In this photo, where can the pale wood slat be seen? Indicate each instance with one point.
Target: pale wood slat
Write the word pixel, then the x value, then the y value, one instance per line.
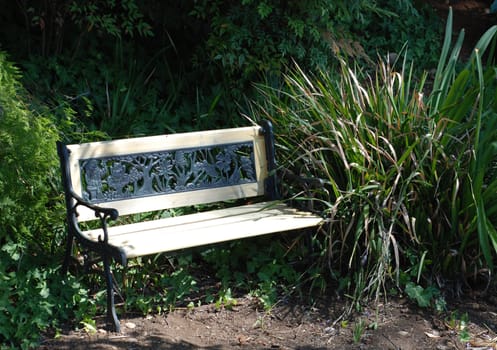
pixel 206 228
pixel 163 142
pixel 176 200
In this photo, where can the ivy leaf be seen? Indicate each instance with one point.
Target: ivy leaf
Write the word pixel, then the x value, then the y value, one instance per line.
pixel 422 296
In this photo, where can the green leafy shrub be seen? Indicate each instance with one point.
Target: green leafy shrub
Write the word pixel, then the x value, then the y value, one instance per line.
pixel 35 297
pixel 69 26
pixel 27 162
pixel 115 18
pixel 267 268
pixel 401 22
pixel 158 283
pixel 120 97
pixel 210 53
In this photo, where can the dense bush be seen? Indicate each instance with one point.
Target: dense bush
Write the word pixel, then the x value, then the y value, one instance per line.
pixel 398 23
pixel 34 296
pixel 27 162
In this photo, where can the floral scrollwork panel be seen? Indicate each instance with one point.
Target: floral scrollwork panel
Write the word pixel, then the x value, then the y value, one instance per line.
pixel 148 174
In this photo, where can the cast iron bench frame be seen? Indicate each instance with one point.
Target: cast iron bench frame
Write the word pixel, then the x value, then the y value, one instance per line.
pixel 103 180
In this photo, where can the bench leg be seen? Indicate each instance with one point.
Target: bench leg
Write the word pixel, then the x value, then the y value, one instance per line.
pixel 111 309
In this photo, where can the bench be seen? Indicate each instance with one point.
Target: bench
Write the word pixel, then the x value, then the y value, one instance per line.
pixel 108 179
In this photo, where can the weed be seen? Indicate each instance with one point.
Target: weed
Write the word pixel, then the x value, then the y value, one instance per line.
pixel 358 330
pixel 459 323
pixel 225 300
pixel 89 325
pixel 259 322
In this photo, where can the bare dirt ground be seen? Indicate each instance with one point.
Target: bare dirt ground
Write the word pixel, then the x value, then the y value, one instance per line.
pixel 469 322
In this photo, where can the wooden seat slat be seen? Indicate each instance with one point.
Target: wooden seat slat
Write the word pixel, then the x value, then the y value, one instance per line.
pixel 211 227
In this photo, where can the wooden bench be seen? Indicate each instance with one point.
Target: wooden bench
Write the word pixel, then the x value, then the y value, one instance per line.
pixel 104 180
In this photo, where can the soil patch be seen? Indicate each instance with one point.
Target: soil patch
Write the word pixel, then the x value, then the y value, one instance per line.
pixel 396 324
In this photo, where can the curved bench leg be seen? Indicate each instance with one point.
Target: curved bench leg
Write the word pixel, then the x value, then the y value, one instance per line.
pixel 111 309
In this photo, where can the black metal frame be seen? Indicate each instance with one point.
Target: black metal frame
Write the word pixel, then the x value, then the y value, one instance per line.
pixel 101 247
pixel 271 186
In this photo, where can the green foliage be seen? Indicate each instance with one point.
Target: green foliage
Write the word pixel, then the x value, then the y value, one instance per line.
pixel 402 22
pixel 268 269
pixel 459 323
pixel 362 139
pixel 256 37
pixel 116 18
pixel 127 95
pixel 92 65
pixel 158 284
pixel 27 162
pixel 467 96
pixel 358 331
pixel 423 296
pixel 120 97
pixel 68 26
pixel 214 51
pixel 34 298
pixel 410 179
pixel 225 299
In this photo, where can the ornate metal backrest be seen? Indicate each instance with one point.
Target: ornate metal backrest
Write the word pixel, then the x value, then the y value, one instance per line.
pixel 160 172
pixel 148 174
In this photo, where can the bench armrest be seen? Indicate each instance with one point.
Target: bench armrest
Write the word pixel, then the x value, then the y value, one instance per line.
pixel 103 214
pixel 111 213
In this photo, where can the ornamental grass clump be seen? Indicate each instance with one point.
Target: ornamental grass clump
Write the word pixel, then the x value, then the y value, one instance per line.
pixel 409 169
